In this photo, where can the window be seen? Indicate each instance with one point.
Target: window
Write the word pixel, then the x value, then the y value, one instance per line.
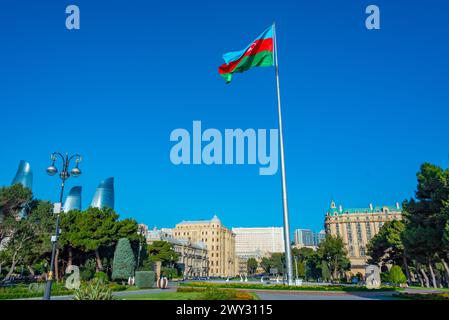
pixel 368 231
pixel 362 251
pixel 359 232
pixel 351 251
pixel 349 232
pixel 337 226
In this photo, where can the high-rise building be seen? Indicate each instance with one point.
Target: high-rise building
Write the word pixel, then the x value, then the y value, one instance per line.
pixel 24 175
pixel 258 240
pixel 357 226
pixel 319 237
pixel 104 195
pixel 73 200
pixel 219 241
pixel 308 238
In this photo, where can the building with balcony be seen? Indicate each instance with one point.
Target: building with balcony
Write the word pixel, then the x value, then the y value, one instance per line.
pixel 193 257
pixel 219 242
pixel 356 226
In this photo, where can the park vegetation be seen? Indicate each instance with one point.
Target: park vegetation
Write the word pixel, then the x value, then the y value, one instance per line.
pixel 418 244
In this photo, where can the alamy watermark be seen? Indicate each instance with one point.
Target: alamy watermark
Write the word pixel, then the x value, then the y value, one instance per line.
pixel 234 146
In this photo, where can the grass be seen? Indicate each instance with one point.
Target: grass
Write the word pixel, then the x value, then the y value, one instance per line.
pixel 422 296
pixel 424 288
pixel 165 296
pixel 336 288
pixel 191 293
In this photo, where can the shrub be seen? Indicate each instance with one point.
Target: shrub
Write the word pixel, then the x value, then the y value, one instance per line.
pixel 169 272
pixel 123 263
pixel 95 290
pixel 283 287
pixel 88 270
pixel 396 276
pixel 145 279
pixel 117 287
pixel 101 276
pixel 212 293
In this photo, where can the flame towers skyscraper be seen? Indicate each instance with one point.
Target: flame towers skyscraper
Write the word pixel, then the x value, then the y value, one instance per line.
pixel 104 195
pixel 73 200
pixel 24 175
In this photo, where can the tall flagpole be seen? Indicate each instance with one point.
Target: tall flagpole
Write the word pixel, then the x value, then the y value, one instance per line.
pixel 288 252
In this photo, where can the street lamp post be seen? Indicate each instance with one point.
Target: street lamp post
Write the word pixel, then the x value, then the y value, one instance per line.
pixel 141 231
pixel 64 175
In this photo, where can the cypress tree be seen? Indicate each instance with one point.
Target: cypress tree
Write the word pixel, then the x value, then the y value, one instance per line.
pixel 124 261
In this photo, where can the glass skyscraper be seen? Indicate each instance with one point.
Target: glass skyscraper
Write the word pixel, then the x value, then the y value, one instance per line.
pixel 24 175
pixel 104 195
pixel 73 200
pixel 308 238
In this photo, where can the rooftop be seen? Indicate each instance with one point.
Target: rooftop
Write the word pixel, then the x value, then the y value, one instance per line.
pixel 370 209
pixel 214 219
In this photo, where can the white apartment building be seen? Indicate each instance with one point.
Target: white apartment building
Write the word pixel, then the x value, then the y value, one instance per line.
pixel 258 240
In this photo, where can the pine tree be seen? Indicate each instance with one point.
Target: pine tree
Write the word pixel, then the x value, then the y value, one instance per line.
pixel 124 261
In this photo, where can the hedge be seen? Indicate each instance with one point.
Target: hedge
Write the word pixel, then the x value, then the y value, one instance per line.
pixel 286 287
pixel 144 279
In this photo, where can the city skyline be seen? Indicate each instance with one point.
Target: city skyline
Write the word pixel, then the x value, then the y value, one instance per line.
pixel 104 196
pixel 362 109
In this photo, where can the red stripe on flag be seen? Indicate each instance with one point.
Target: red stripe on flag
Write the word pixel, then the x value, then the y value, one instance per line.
pixel 257 46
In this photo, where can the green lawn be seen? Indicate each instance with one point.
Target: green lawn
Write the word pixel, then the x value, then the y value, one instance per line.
pixel 424 288
pixel 165 296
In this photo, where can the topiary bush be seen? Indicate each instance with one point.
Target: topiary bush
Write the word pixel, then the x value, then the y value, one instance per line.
pixel 124 261
pixel 396 276
pixel 145 279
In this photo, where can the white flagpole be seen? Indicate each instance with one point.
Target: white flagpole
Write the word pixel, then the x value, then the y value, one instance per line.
pixel 288 253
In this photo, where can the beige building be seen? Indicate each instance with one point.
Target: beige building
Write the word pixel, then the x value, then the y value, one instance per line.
pixel 219 241
pixel 356 226
pixel 193 256
pixel 258 240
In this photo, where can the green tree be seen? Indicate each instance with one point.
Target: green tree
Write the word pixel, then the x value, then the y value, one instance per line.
pixel 396 276
pixel 124 261
pixel 300 269
pixel 162 251
pixel 12 200
pixel 332 250
pixel 278 262
pixel 94 230
pixel 426 218
pixel 266 264
pixel 325 273
pixel 28 239
pixel 251 265
pixel 387 246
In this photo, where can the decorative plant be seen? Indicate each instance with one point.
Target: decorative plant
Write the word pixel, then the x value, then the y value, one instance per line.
pixel 95 290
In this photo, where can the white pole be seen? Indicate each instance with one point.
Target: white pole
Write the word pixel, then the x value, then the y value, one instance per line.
pixel 288 253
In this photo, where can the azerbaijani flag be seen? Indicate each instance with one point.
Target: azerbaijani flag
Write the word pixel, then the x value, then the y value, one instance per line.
pixel 258 54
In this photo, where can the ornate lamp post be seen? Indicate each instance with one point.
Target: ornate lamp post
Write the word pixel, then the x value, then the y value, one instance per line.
pixel 64 175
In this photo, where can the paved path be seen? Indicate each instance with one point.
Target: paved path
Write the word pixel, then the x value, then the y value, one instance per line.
pixel 117 294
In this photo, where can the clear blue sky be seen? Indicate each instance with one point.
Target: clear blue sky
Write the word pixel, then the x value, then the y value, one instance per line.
pixel 362 109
